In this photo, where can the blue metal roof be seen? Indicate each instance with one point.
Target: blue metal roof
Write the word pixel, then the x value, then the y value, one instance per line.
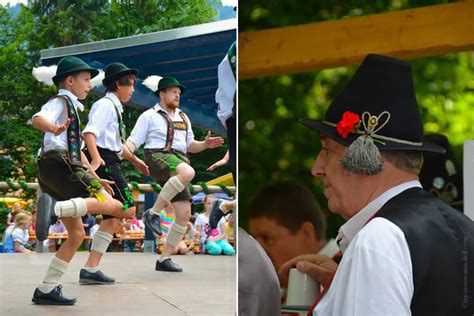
pixel 190 54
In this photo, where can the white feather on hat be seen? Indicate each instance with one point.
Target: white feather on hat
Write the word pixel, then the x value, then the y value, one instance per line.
pixel 45 74
pixel 97 80
pixel 151 82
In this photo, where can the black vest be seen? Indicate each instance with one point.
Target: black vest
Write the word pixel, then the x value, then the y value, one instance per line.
pixel 441 243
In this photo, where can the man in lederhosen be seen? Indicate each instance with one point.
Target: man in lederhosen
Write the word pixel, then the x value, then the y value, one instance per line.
pixel 167 134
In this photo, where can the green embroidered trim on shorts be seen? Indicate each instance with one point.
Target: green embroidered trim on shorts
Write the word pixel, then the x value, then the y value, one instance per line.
pixel 170 160
pixel 94 188
pixel 128 199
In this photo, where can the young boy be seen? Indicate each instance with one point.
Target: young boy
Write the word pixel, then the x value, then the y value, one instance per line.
pixel 65 173
pixel 104 134
pixel 167 134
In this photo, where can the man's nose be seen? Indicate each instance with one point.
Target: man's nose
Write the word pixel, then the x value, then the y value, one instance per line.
pixel 318 167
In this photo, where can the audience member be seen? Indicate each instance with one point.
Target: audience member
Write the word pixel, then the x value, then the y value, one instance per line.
pixel 16 236
pixel 287 221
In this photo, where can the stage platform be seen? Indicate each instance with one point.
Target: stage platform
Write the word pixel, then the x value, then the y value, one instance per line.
pixel 207 286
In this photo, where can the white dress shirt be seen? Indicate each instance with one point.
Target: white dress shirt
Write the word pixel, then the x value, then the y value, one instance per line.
pixel 375 274
pixel 103 122
pixel 55 111
pixel 225 91
pixel 151 129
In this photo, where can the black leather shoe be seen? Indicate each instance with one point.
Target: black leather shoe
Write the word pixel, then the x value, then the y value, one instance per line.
pixel 55 297
pixel 167 265
pixel 98 277
pixel 153 221
pixel 44 216
pixel 216 213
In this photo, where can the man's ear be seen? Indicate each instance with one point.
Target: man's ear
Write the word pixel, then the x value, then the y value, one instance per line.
pixel 308 231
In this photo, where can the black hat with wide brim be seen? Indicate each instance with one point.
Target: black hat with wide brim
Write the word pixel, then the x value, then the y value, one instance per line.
pixel 381 84
pixel 167 82
pixel 69 65
pixel 115 71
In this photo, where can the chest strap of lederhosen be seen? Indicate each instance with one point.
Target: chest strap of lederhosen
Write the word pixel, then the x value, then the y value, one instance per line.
pixel 122 131
pixel 170 128
pixel 73 131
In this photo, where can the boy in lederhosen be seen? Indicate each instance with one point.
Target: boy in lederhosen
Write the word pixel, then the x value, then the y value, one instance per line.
pixel 103 135
pixel 65 173
pixel 167 134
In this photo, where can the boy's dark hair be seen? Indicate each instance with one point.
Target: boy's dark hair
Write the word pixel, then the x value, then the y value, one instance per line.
pixel 290 204
pixel 126 80
pixel 74 74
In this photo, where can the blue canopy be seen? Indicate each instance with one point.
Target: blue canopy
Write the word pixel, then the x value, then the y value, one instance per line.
pixel 190 54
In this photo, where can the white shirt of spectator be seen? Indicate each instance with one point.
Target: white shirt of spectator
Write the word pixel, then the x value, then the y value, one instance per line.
pixel 18 235
pixel 225 91
pixel 103 122
pixel 151 129
pixel 375 273
pixel 93 230
pixel 203 221
pixel 55 111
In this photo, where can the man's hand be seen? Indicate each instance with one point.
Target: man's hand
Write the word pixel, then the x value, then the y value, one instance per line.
pixel 213 142
pixel 61 128
pixel 318 267
pixel 140 165
pixel 96 163
pixel 106 184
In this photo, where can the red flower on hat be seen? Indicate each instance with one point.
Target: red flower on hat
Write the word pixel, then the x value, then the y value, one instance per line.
pixel 349 124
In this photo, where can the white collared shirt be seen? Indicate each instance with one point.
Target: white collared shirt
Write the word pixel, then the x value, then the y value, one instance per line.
pixel 375 274
pixel 55 111
pixel 103 122
pixel 151 128
pixel 225 91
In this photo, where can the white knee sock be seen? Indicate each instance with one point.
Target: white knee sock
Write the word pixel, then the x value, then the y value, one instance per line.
pixel 76 207
pixel 53 275
pixel 175 235
pixel 101 242
pixel 172 187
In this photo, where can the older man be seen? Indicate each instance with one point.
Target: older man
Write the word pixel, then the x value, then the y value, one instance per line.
pixel 404 251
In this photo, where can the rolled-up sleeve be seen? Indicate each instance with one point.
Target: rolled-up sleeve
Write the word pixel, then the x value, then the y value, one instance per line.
pixel 51 110
pixel 139 132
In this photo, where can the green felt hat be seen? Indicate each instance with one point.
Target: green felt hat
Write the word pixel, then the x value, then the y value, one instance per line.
pixel 69 65
pixel 115 71
pixel 169 82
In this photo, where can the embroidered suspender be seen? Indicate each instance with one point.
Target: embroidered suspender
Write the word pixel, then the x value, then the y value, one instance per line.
pixel 170 130
pixel 122 130
pixel 73 131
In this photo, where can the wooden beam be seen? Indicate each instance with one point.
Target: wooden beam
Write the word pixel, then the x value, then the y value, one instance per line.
pixel 427 31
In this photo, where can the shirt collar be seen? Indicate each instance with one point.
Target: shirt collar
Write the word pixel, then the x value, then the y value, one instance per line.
pixel 349 230
pixel 73 98
pixel 115 101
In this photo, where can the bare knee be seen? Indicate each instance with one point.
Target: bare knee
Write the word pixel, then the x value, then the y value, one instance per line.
pixel 76 236
pixel 185 173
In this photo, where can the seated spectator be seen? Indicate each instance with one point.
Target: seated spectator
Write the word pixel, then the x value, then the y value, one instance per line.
pixel 229 228
pixel 15 210
pixel 213 240
pixel 16 236
pixel 55 229
pixel 287 221
pixel 187 244
pixel 31 228
pixel 98 220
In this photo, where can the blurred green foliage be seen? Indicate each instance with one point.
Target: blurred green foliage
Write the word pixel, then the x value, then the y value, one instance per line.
pixel 273 146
